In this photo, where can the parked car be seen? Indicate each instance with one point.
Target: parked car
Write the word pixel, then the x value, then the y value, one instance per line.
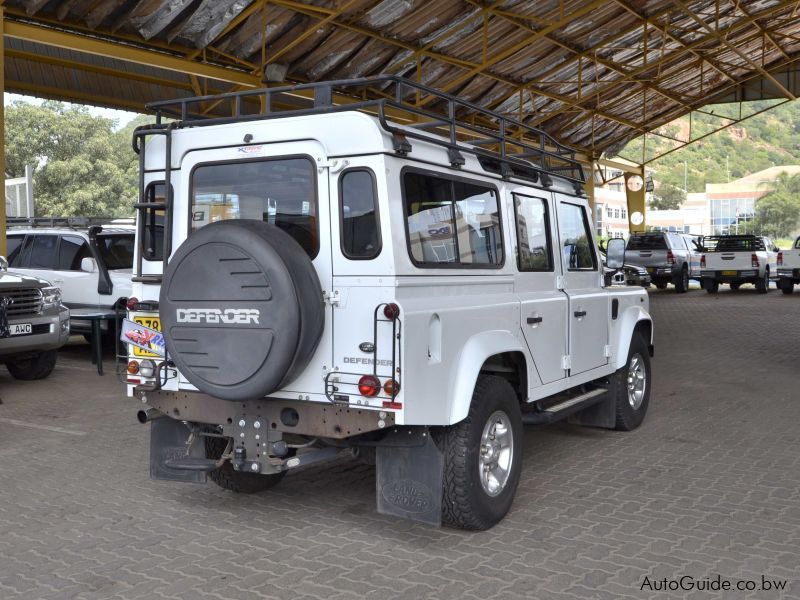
pixel 91 266
pixel 738 259
pixel 668 257
pixel 788 263
pixel 33 324
pixel 629 274
pixel 323 291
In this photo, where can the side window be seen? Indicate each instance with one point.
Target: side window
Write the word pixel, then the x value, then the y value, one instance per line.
pixel 533 234
pixel 14 244
pixel 71 252
pixel 576 241
pixel 152 227
pixel 361 237
pixel 43 252
pixel 451 221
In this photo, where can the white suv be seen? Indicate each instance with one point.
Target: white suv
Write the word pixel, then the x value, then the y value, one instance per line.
pixel 92 266
pixel 333 280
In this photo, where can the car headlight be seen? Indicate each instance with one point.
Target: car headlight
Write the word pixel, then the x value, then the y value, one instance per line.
pixel 51 296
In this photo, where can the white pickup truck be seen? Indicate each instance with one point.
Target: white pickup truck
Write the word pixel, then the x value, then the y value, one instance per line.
pixel 738 259
pixel 789 267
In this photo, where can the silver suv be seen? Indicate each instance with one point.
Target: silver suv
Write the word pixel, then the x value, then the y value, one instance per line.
pixel 668 257
pixel 33 324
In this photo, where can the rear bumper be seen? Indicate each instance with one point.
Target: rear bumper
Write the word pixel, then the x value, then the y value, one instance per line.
pixel 789 273
pixel 732 276
pixel 57 323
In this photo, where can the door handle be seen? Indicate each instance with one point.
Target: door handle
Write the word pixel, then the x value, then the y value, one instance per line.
pixel 580 313
pixel 534 320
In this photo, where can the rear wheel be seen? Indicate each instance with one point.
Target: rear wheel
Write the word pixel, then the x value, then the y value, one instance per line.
pixel 762 285
pixel 631 386
pixel 482 457
pixel 36 366
pixel 682 282
pixel 786 285
pixel 662 285
pixel 711 285
pixel 236 481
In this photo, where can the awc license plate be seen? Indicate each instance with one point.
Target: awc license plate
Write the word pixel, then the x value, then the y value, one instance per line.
pixel 152 323
pixel 21 329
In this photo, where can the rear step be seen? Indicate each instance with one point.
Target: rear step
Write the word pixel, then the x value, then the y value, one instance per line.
pixel 560 411
pixel 191 463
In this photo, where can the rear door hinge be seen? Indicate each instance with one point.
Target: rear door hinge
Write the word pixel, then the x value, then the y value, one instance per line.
pixel 560 282
pixel 566 362
pixel 331 298
pixel 607 351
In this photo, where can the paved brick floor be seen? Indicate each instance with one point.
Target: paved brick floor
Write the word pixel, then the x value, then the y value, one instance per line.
pixel 709 485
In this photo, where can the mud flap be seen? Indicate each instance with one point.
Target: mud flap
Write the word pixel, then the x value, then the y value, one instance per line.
pixel 408 478
pixel 603 414
pixel 168 441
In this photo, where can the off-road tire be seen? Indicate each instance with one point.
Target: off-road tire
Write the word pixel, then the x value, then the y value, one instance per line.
pixel 661 285
pixel 37 366
pixel 465 504
pixel 786 285
pixel 762 285
pixel 711 286
pixel 235 481
pixel 682 281
pixel 629 418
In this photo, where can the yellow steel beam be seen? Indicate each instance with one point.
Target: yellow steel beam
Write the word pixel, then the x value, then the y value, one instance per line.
pixel 767 33
pixel 724 41
pixel 127 53
pixel 58 93
pixel 3 241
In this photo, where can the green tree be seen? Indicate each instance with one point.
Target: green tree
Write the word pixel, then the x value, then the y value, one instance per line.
pixel 82 166
pixel 667 197
pixel 778 211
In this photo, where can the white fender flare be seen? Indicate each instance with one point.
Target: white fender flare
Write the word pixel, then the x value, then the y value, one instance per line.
pixel 628 320
pixel 472 357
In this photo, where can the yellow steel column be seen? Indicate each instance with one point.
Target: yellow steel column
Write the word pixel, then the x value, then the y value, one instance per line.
pixel 3 246
pixel 635 193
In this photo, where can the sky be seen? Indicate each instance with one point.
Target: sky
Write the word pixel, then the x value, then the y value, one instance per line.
pixel 123 117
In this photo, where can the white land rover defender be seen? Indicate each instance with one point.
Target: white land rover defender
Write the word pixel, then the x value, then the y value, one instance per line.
pixel 409 281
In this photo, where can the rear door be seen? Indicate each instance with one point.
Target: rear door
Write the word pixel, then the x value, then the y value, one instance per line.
pixel 647 250
pixel 544 306
pixel 282 184
pixel 588 300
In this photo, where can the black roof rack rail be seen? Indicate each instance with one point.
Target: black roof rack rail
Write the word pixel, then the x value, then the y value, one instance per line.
pixel 65 222
pixel 442 119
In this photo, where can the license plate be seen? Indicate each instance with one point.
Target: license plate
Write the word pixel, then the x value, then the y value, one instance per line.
pixel 730 273
pixel 650 269
pixel 21 329
pixel 152 323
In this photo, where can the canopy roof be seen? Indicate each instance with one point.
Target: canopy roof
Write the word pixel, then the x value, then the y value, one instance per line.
pixel 593 74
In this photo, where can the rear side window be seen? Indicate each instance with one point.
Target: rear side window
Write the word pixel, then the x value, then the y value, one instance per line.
pixel 152 226
pixel 451 222
pixel 71 252
pixel 43 252
pixel 647 242
pixel 533 234
pixel 280 191
pixel 361 238
pixel 14 245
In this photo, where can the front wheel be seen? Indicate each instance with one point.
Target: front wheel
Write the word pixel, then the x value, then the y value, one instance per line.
pixel 482 457
pixel 37 366
pixel 631 386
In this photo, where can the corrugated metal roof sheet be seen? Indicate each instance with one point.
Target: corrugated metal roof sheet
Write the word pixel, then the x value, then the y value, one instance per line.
pixel 592 74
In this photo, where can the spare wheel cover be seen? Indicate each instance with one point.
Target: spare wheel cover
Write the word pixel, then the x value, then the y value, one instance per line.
pixel 241 308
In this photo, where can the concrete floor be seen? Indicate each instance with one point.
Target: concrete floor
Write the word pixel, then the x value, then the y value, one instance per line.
pixel 709 485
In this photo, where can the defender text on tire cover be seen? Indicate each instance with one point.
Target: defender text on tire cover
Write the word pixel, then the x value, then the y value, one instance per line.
pixel 242 309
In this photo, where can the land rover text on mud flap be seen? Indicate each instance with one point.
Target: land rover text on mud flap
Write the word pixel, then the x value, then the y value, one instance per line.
pixel 376 277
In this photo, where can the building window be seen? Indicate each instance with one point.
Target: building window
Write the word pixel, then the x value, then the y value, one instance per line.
pixel 624 213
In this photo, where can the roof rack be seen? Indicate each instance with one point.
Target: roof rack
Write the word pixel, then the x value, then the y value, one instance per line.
pixel 66 222
pixel 414 111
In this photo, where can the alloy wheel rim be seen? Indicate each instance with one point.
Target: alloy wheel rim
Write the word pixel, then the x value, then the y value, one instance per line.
pixel 496 453
pixel 637 381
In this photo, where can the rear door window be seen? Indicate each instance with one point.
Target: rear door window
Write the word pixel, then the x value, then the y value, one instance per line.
pixel 43 252
pixel 280 191
pixel 647 242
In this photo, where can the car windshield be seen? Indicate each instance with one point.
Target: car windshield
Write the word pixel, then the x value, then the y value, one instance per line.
pixel 647 242
pixel 116 251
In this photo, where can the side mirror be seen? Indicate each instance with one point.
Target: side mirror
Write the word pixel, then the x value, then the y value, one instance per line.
pixel 3 263
pixel 88 265
pixel 615 253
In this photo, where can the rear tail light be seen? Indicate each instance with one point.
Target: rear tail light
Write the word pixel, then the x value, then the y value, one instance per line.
pixel 754 260
pixel 391 388
pixel 703 260
pixel 133 367
pixel 391 311
pixel 670 257
pixel 780 259
pixel 369 386
pixel 131 303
